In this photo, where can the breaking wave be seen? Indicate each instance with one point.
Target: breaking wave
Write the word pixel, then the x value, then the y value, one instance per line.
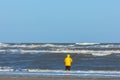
pixel 95 49
pixel 94 53
pixel 87 43
pixel 33 72
pixel 9 65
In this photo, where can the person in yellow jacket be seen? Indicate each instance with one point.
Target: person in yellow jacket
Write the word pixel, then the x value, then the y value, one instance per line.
pixel 68 61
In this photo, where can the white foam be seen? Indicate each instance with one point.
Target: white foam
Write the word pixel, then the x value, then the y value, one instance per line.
pixel 58 48
pixel 24 46
pixel 75 71
pixel 4 69
pixel 59 45
pixel 109 46
pixel 10 71
pixel 101 54
pixel 32 45
pixel 56 45
pixel 87 43
pixel 92 52
pixel 61 71
pixel 2 50
pixel 4 45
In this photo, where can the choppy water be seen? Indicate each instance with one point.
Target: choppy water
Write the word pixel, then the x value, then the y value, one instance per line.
pixel 101 59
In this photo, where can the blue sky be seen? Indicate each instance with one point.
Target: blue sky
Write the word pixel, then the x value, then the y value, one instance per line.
pixel 60 21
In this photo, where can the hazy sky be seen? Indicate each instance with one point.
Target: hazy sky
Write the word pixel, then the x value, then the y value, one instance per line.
pixel 59 21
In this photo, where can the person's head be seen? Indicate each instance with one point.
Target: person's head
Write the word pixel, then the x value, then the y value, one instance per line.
pixel 68 55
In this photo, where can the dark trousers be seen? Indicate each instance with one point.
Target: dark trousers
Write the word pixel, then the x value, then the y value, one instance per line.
pixel 67 68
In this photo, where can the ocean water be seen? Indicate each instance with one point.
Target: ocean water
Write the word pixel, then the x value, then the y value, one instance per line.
pixel 89 59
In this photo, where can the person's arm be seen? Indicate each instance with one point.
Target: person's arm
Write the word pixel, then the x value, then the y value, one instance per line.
pixel 71 60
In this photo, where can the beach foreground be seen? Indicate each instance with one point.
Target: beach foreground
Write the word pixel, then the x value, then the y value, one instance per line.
pixel 51 78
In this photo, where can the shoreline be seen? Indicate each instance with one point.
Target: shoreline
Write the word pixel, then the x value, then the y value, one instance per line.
pixel 51 78
pixel 62 74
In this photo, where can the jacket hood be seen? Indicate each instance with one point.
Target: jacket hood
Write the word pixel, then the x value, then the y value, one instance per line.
pixel 68 55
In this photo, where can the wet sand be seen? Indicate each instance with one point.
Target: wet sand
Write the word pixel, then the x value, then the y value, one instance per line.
pixel 50 78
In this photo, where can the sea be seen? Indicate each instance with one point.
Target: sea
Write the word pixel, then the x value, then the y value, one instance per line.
pixel 47 59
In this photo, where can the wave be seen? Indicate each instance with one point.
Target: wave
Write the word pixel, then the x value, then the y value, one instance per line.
pixel 10 69
pixel 4 45
pixel 62 45
pixel 101 54
pixel 39 72
pixel 33 45
pixel 6 69
pixel 95 49
pixel 87 43
pixel 92 52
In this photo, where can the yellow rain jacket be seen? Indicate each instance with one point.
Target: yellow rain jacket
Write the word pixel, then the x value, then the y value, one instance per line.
pixel 68 60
